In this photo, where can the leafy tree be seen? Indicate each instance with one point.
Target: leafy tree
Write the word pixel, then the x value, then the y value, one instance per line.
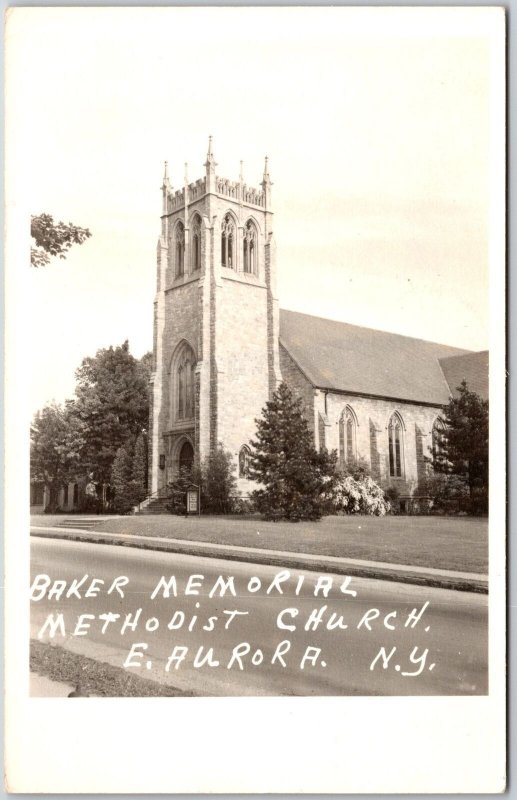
pixel 461 446
pixel 112 405
pixel 56 441
pixel 53 238
pixel 139 469
pixel 293 474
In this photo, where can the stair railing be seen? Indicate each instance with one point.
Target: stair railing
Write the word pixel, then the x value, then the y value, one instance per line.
pixel 162 493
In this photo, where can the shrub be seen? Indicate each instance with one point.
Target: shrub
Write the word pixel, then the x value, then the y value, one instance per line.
pixel 178 490
pixel 350 496
pixel 449 493
pixel 215 479
pixel 392 495
pixel 357 468
pixel 242 505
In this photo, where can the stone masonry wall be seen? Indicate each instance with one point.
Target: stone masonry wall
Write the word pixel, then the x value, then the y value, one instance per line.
pixel 298 384
pixel 373 415
pixel 242 361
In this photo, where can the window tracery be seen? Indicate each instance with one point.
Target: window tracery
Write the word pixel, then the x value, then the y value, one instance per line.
pixel 249 247
pixel 227 242
pixel 396 446
pixel 182 384
pixel 347 437
pixel 180 249
pixel 196 244
pixel 244 461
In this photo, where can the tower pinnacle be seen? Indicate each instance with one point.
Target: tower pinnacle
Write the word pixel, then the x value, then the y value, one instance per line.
pixel 210 165
pixel 166 182
pixel 210 160
pixel 266 184
pixel 266 179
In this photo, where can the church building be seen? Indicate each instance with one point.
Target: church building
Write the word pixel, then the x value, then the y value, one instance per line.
pixel 221 346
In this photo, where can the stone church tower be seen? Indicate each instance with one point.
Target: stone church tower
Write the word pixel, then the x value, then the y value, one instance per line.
pixel 216 328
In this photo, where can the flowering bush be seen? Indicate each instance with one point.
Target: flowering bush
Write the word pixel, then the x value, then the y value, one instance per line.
pixel 348 495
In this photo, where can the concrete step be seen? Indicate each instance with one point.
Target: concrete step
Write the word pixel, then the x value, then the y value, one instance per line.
pixel 83 523
pixel 157 505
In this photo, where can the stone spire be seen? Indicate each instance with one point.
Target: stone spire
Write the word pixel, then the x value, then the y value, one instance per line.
pixel 166 187
pixel 166 181
pixel 266 184
pixel 210 165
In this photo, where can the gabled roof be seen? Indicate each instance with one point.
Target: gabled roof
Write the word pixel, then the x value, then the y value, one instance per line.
pixel 349 358
pixel 471 367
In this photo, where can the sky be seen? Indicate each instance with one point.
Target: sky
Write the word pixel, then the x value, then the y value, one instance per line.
pixel 377 125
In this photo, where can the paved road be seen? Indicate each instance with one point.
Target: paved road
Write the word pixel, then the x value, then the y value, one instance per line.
pixel 442 651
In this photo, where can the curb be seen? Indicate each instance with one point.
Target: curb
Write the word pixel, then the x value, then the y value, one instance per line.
pixel 462 582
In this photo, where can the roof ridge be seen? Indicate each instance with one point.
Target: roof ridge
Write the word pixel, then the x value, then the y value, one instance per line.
pixel 459 350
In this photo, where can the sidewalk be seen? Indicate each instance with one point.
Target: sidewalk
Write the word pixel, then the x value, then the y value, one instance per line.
pixel 423 576
pixel 41 686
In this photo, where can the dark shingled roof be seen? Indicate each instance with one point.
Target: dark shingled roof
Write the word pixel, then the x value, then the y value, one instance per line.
pixel 336 355
pixel 471 367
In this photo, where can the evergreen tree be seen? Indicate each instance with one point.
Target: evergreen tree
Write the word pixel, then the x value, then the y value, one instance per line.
pixel 292 473
pixel 218 482
pixel 139 472
pixel 461 447
pixel 126 490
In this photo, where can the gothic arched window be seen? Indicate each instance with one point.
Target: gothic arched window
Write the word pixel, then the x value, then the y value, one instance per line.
pixel 249 248
pixel 227 242
pixel 182 382
pixel 396 446
pixel 179 236
pixel 195 248
pixel 244 461
pixel 347 447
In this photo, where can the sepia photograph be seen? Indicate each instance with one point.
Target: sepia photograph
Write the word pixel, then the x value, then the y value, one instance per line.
pixel 258 437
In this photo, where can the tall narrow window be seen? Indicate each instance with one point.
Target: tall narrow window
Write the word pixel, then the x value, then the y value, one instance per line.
pixel 180 249
pixel 182 379
pixel 249 247
pixel 227 241
pixel 181 391
pixel 189 405
pixel 244 461
pixel 395 445
pixel 195 250
pixel 347 426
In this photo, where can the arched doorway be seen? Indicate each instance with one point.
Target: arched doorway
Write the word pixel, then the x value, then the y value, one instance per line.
pixel 186 458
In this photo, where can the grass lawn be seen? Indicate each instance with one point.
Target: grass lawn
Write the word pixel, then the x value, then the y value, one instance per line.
pixel 95 678
pixel 455 543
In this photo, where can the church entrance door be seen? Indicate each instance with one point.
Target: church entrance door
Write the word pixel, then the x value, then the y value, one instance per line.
pixel 186 459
